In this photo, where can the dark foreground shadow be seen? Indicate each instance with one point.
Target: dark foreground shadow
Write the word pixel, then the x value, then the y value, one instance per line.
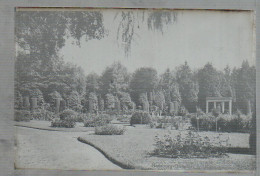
pixel 237 150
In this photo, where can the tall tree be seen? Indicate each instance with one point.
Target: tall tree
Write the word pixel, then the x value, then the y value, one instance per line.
pixel 39 37
pixel 144 80
pixel 159 100
pixel 170 87
pixel 245 87
pixel 188 87
pixel 92 83
pixel 208 79
pixel 114 79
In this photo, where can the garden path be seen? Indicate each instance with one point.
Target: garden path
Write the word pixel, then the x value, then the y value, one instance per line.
pixel 57 150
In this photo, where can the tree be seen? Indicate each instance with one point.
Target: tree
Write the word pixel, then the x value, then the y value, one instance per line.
pixel 143 101
pixel 110 101
pixel 92 83
pixel 170 88
pixel 188 87
pixel 114 80
pixel 39 37
pixel 51 99
pixel 101 104
pixel 74 101
pixel 93 102
pixel 245 87
pixel 144 80
pixel 130 22
pixel 125 100
pixel 208 79
pixel 159 100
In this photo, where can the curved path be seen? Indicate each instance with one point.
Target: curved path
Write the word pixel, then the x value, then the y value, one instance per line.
pixel 57 150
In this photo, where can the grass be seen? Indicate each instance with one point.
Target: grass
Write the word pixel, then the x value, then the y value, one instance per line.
pixel 132 151
pixel 46 125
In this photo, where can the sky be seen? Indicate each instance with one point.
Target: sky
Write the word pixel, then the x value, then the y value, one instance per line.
pixel 198 37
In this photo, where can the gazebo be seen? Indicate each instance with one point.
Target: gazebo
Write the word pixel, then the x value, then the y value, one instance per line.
pixel 223 102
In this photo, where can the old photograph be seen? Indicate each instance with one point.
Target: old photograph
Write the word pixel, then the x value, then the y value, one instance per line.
pixel 139 89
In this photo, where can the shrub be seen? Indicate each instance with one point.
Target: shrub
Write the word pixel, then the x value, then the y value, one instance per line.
pixel 41 114
pixel 124 118
pixel 68 123
pixel 192 145
pixel 226 123
pixel 22 115
pixel 74 101
pixel 165 121
pixel 80 117
pixel 140 117
pixel 68 114
pixel 182 111
pixel 252 137
pixel 98 120
pixel 206 122
pixel 109 129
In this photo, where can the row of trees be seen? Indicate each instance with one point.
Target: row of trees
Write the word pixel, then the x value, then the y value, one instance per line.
pixel 117 89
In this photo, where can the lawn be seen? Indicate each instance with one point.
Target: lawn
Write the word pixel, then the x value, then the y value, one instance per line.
pixel 46 125
pixel 132 149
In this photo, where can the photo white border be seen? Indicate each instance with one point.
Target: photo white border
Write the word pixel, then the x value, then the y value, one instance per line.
pixel 7 54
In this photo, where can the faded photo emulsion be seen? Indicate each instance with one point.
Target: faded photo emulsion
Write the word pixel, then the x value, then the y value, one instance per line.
pixel 140 89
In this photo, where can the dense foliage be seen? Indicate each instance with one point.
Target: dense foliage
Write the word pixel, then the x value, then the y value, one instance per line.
pixel 225 123
pixel 22 115
pixel 190 145
pixel 140 117
pixel 109 129
pixel 69 123
pixel 97 120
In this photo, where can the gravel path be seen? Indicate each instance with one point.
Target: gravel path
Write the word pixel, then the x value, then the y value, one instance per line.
pixel 57 150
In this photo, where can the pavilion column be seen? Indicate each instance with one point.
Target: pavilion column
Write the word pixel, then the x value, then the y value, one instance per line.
pixel 230 107
pixel 207 107
pixel 215 105
pixel 223 106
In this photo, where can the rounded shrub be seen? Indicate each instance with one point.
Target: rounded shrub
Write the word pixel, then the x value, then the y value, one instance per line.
pixel 41 114
pixel 109 129
pixel 140 117
pixel 68 114
pixel 97 120
pixel 68 123
pixel 22 115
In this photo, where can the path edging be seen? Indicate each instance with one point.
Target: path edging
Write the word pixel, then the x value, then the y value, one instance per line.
pixel 113 160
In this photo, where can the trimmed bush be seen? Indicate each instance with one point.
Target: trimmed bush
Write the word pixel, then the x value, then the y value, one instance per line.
pixel 168 121
pixel 124 118
pixel 191 145
pixel 226 123
pixel 22 115
pixel 68 123
pixel 109 129
pixel 68 114
pixel 98 120
pixel 140 117
pixel 252 137
pixel 41 114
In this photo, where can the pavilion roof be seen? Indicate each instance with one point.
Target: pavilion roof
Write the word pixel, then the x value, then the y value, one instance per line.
pixel 219 98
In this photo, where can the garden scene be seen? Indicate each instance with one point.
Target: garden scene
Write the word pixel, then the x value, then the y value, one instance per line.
pixel 176 117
